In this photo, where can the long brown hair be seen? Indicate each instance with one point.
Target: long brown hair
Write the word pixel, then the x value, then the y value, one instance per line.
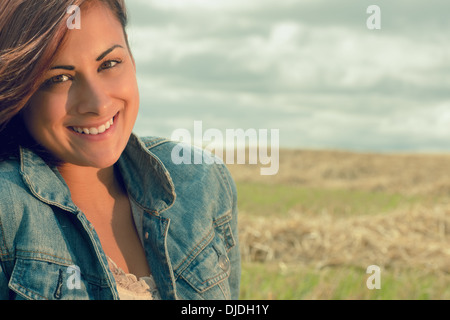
pixel 31 32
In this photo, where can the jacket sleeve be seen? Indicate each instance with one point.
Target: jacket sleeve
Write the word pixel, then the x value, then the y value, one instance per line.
pixel 234 254
pixel 10 214
pixel 4 290
pixel 4 275
pixel 6 262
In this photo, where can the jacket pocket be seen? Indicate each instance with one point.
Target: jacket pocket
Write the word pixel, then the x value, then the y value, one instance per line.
pixel 43 280
pixel 208 273
pixel 225 233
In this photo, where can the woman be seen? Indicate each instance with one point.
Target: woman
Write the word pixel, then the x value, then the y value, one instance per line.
pixel 87 209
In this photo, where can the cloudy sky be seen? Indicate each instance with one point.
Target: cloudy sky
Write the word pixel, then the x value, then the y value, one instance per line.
pixel 310 68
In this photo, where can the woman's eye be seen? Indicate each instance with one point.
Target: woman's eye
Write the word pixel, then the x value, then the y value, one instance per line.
pixel 58 79
pixel 109 64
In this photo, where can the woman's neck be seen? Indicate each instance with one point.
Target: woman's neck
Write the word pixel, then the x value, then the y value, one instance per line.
pixel 91 186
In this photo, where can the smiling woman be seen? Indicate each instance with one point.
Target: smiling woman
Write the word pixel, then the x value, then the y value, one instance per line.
pixel 78 190
pixel 91 81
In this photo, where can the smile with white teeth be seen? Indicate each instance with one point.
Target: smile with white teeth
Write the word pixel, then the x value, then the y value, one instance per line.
pixel 94 131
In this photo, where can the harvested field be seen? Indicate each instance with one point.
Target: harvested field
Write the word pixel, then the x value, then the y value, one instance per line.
pixel 392 211
pixel 418 238
pixel 397 173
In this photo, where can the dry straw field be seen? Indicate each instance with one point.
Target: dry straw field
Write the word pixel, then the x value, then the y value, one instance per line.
pixel 331 211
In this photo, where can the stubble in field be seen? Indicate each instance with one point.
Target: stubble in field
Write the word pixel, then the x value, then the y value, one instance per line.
pixel 328 215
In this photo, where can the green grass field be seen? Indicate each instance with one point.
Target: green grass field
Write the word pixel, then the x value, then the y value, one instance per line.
pixel 315 241
pixel 269 281
pixel 276 279
pixel 264 200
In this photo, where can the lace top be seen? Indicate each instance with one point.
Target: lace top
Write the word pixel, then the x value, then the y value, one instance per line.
pixel 132 288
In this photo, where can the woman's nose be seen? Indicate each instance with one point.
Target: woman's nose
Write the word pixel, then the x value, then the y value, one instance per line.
pixel 93 98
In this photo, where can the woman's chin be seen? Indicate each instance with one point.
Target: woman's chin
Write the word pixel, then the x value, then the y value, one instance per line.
pixel 99 162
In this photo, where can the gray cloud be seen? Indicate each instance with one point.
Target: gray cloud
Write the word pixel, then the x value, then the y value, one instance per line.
pixel 310 68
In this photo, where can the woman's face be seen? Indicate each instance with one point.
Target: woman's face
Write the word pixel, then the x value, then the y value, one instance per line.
pixel 86 109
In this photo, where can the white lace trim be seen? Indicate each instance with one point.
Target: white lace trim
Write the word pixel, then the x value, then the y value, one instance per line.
pixel 132 288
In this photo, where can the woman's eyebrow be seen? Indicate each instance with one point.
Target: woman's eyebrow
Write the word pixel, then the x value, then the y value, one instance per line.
pixel 70 68
pixel 104 54
pixel 100 57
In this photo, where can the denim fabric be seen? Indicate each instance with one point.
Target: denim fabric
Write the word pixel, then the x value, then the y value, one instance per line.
pixel 186 216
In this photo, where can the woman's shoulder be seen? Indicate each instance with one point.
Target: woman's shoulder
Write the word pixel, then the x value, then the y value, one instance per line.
pixel 10 176
pixel 12 192
pixel 180 154
pixel 12 187
pixel 154 141
pixel 188 163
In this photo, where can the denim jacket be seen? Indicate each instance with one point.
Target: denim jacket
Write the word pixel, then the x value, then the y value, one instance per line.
pixel 186 217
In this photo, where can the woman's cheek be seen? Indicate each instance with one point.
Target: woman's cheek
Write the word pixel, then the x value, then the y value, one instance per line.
pixel 125 86
pixel 45 108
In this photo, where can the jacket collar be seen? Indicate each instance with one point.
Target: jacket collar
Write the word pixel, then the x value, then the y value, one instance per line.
pixel 44 182
pixel 145 176
pixel 147 179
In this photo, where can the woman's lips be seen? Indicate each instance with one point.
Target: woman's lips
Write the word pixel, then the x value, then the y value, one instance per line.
pixel 95 130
